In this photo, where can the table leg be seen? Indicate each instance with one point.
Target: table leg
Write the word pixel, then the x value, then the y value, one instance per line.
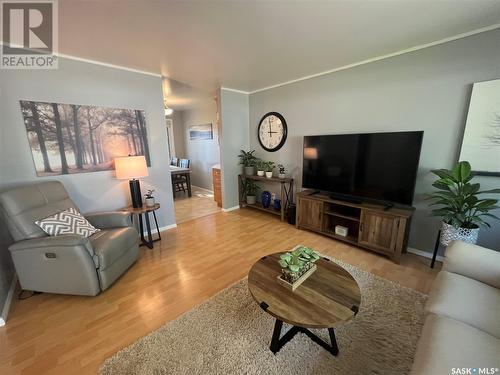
pixel 157 228
pixel 149 243
pixel 277 343
pixel 188 182
pixel 436 248
pixel 141 228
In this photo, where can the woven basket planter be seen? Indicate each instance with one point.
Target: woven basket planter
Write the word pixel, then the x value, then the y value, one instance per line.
pixel 450 233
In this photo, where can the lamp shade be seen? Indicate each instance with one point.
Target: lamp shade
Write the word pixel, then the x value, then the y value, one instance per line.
pixel 310 153
pixel 129 167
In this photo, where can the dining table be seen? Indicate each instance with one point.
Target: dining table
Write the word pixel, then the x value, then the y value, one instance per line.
pixel 185 173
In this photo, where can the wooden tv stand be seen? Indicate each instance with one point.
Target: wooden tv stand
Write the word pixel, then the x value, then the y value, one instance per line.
pixel 370 226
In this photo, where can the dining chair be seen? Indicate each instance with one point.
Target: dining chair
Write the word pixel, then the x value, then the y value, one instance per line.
pixel 174 161
pixel 178 183
pixel 184 163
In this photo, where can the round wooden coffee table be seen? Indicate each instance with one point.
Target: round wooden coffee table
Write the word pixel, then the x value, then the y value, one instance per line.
pixel 328 298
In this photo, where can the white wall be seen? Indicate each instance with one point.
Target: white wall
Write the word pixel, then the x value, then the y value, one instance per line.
pixel 78 82
pixel 234 115
pixel 424 90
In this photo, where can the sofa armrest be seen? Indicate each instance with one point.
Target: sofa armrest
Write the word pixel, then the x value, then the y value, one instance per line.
pixel 106 220
pixel 473 261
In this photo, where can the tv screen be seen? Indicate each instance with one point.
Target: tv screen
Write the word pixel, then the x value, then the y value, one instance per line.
pixel 375 166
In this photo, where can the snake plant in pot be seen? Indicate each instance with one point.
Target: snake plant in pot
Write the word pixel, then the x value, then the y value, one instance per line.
pixel 458 203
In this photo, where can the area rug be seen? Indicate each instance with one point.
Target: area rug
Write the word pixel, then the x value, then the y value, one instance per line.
pixel 230 334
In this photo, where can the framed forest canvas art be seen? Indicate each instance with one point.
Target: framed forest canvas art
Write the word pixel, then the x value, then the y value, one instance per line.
pixel 71 138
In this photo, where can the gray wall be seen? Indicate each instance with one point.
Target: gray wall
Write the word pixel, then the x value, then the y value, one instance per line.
pixel 204 154
pixel 178 126
pixel 234 114
pixel 424 90
pixel 83 83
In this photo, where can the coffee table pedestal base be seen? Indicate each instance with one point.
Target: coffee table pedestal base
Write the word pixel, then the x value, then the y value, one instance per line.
pixel 277 343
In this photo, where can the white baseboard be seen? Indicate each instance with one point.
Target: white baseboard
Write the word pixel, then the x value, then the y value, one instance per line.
pixel 424 254
pixel 8 301
pixel 201 188
pixel 230 209
pixel 167 227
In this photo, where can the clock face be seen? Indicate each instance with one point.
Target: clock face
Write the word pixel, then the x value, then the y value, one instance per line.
pixel 272 131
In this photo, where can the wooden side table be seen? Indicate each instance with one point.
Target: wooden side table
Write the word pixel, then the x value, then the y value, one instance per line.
pixel 145 210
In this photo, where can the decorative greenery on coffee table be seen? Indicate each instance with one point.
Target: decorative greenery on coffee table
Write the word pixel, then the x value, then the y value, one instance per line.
pixel 296 262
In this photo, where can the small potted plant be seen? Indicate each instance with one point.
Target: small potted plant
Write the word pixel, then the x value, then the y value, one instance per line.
pixel 251 189
pixel 149 199
pixel 247 160
pixel 261 167
pixel 296 266
pixel 281 171
pixel 460 208
pixel 268 167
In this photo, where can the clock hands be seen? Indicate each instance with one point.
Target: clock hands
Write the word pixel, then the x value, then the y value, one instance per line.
pixel 271 129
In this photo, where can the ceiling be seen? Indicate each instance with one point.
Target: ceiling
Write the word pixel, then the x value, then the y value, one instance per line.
pixel 182 96
pixel 249 45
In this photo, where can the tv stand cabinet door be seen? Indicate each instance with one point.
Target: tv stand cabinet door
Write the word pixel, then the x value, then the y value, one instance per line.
pixel 309 214
pixel 379 231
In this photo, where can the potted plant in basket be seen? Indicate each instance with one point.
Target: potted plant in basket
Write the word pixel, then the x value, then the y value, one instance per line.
pixel 149 199
pixel 251 189
pixel 261 166
pixel 296 266
pixel 460 207
pixel 247 160
pixel 281 171
pixel 268 167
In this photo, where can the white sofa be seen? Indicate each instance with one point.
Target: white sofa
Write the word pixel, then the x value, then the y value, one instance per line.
pixel 462 328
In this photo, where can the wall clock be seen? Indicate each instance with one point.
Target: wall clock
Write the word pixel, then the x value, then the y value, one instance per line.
pixel 272 131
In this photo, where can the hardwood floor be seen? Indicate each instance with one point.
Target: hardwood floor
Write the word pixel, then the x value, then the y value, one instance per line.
pixel 60 334
pixel 200 204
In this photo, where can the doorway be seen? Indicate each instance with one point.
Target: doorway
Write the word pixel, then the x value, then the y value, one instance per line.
pixel 193 144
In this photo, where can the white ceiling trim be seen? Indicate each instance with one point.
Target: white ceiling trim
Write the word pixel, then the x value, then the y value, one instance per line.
pixel 234 90
pixel 95 62
pixel 378 58
pixel 108 65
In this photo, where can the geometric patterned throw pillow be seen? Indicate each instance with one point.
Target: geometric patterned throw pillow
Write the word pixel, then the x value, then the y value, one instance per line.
pixel 69 221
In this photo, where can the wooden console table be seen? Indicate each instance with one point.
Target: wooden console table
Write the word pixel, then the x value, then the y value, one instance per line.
pixel 369 225
pixel 286 193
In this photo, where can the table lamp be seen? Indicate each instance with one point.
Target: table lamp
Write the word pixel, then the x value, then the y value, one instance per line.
pixel 132 168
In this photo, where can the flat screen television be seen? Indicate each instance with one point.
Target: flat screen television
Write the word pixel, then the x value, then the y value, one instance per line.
pixel 372 166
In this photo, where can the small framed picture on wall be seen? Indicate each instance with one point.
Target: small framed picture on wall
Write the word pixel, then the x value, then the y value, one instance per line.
pixel 199 132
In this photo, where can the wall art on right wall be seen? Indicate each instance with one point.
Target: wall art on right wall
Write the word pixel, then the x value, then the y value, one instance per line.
pixel 481 142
